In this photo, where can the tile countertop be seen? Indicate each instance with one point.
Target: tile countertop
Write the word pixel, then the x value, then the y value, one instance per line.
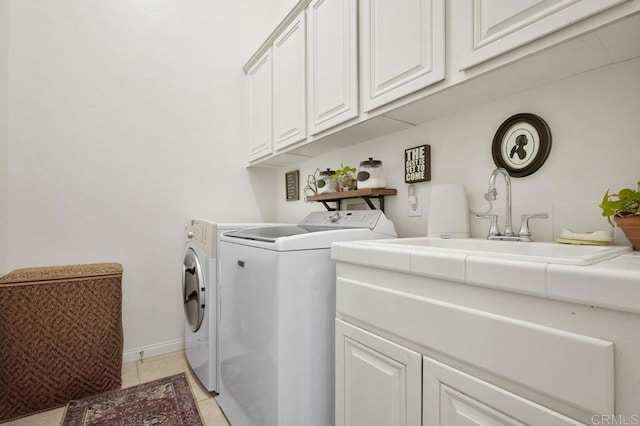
pixel 612 284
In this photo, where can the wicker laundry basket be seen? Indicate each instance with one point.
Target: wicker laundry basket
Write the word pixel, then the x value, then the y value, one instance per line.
pixel 60 336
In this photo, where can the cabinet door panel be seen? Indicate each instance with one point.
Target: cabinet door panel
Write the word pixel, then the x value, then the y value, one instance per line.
pixel 332 62
pixel 454 398
pixel 498 26
pixel 260 107
pixel 289 85
pixel 402 48
pixel 377 381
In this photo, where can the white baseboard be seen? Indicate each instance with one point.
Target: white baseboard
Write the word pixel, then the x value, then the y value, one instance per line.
pixel 130 355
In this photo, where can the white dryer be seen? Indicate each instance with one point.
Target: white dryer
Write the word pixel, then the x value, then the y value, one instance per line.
pixel 201 284
pixel 277 337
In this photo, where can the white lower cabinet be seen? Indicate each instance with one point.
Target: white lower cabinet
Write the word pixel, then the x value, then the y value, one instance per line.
pixel 377 381
pixel 454 398
pixel 381 383
pixel 406 358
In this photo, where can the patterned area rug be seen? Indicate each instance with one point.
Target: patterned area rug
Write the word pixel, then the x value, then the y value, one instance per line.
pixel 166 401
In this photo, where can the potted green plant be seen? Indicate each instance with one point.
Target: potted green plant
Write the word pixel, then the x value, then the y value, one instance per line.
pixel 346 178
pixel 624 208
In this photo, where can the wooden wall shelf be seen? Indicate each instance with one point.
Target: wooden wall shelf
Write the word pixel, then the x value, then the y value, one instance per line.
pixel 366 194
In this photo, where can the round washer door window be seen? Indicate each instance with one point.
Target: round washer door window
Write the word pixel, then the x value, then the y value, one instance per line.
pixel 193 290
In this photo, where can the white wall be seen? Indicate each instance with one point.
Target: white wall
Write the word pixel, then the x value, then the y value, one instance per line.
pixel 125 121
pixel 4 133
pixel 594 124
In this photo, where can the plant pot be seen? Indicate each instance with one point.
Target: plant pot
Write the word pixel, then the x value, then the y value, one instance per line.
pixel 348 183
pixel 630 225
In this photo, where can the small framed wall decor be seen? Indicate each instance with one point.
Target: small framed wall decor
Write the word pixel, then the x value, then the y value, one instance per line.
pixel 417 164
pixel 521 144
pixel 292 186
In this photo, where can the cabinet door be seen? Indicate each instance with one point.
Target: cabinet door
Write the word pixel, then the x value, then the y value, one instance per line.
pixel 377 381
pixel 260 107
pixel 289 85
pixel 454 398
pixel 332 62
pixel 491 28
pixel 402 44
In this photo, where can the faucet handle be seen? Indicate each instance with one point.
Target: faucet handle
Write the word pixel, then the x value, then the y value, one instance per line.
pixel 524 222
pixel 494 231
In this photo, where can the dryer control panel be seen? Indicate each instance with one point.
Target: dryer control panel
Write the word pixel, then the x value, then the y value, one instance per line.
pixel 203 233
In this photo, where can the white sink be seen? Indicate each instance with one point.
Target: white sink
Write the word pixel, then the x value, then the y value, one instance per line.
pixel 526 251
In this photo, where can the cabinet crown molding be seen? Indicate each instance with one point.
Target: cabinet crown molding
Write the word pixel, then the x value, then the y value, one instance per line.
pixel 293 13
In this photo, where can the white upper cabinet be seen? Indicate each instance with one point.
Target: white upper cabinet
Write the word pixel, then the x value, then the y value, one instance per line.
pixel 494 27
pixel 352 70
pixel 332 63
pixel 289 85
pixel 260 107
pixel 402 48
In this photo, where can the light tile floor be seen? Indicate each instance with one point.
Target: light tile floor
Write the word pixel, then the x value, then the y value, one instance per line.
pixel 134 373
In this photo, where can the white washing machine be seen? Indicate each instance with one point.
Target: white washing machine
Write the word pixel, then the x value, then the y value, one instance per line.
pixel 277 313
pixel 201 284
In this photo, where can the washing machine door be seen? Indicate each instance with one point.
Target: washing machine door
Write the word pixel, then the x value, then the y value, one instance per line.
pixel 193 288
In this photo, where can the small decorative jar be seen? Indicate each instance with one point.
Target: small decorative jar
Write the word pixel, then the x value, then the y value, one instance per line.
pixel 371 174
pixel 325 183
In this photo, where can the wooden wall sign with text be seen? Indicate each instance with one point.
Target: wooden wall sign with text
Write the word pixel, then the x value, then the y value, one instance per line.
pixel 292 186
pixel 417 164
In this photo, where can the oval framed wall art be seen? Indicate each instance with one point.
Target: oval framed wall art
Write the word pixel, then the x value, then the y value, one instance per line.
pixel 522 144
